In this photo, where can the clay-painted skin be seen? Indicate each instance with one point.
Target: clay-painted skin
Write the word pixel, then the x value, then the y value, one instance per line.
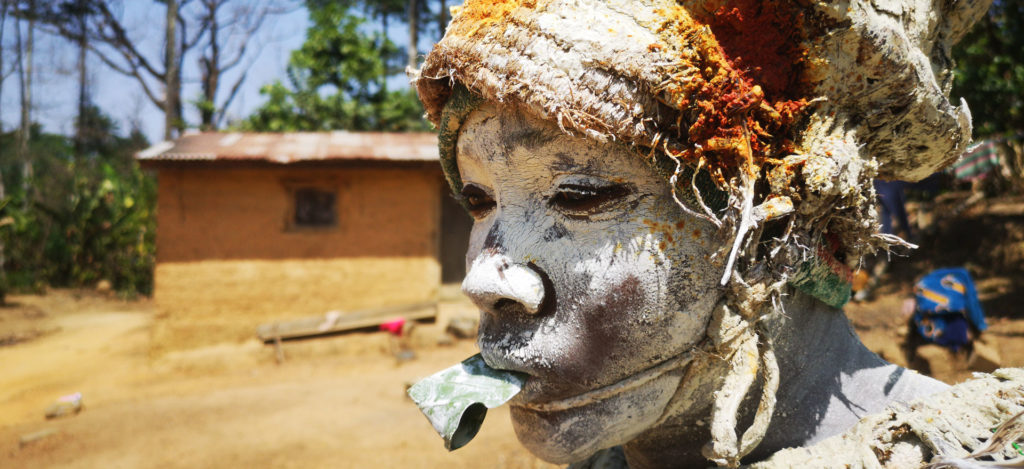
pixel 586 273
pixel 588 276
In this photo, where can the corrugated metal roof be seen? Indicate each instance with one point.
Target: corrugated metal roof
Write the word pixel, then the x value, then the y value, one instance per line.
pixel 295 147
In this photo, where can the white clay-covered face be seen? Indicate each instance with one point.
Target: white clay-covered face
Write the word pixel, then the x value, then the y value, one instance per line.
pixel 587 274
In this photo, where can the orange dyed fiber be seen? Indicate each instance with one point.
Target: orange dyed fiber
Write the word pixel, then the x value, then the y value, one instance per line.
pixel 732 124
pixel 482 13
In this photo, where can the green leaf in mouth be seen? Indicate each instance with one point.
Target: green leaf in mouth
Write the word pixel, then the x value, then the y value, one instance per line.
pixel 456 399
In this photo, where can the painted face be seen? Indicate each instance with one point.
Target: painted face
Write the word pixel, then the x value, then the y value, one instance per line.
pixel 588 277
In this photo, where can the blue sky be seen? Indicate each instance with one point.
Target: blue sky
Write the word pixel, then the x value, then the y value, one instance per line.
pixel 121 97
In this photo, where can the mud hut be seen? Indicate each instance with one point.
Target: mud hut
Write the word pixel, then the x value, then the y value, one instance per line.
pixel 261 227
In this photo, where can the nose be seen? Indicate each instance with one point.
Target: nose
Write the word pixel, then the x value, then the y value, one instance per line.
pixel 497 284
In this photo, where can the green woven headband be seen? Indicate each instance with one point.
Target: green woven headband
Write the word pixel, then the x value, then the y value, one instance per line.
pixel 821 276
pixel 460 105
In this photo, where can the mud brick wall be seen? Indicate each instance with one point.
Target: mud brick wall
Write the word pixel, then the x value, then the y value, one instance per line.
pixel 229 257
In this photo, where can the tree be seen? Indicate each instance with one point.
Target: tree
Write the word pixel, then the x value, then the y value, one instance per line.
pixel 5 69
pixel 25 49
pixel 418 16
pixel 77 13
pixel 223 48
pixel 102 217
pixel 4 221
pixel 337 80
pixel 83 77
pixel 383 10
pixel 172 72
pixel 100 27
pixel 414 32
pixel 990 70
pixel 990 76
pixel 221 30
pixel 442 19
pixel 91 217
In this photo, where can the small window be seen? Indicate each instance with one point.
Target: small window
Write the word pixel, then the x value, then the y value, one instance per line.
pixel 315 208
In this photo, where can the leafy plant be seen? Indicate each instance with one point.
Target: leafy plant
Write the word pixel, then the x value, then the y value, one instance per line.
pixel 88 214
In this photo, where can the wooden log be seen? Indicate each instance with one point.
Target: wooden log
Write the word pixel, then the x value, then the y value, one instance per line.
pixel 337 321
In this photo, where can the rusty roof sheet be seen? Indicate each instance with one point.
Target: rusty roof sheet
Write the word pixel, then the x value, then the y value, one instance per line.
pixel 295 147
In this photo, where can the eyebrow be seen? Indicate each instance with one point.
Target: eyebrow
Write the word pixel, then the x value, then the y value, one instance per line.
pixel 515 133
pixel 526 138
pixel 565 162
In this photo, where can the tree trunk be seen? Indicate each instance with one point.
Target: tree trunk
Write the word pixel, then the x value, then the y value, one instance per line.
pixel 83 91
pixel 25 75
pixel 210 67
pixel 172 85
pixel 3 270
pixel 414 33
pixel 3 192
pixel 3 28
pixel 442 19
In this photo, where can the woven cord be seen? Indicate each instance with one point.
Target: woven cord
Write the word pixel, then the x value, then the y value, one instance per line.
pixel 748 351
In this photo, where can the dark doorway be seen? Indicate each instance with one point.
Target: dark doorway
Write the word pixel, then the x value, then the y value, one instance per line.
pixel 455 226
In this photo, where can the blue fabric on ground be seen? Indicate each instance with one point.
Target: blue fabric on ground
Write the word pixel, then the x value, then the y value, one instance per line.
pixel 946 302
pixel 947 330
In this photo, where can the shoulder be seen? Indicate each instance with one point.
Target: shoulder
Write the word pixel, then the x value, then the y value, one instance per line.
pixel 948 426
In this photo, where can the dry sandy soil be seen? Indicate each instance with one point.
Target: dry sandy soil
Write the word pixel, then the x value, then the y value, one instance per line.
pixel 339 401
pixel 334 402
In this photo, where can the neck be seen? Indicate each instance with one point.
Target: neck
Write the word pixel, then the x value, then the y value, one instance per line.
pixel 828 381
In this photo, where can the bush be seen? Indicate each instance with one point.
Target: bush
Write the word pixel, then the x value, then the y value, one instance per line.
pixel 85 215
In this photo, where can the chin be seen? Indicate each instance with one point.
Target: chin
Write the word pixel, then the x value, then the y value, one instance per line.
pixel 573 434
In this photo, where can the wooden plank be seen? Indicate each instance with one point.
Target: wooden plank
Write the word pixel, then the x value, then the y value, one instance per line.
pixel 337 321
pixel 30 438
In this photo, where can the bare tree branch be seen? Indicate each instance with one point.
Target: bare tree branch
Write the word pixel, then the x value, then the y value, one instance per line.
pixel 132 72
pixel 187 44
pixel 232 34
pixel 231 96
pixel 119 39
pixel 216 32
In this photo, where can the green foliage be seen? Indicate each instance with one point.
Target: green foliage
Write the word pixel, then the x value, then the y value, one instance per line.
pixel 337 80
pixel 990 70
pixel 106 230
pixel 205 108
pixel 88 215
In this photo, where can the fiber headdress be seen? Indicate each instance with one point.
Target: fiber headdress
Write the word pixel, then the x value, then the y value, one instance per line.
pixel 791 108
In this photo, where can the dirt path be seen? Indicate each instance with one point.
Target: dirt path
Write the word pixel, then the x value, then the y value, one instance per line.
pixel 229 406
pixel 335 402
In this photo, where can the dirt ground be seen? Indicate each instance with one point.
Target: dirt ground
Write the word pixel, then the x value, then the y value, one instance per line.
pixel 953 230
pixel 339 401
pixel 334 402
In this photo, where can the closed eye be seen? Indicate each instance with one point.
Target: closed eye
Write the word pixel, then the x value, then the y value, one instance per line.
pixel 579 201
pixel 477 201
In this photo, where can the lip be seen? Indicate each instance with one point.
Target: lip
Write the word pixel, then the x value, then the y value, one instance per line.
pixel 542 383
pixel 530 397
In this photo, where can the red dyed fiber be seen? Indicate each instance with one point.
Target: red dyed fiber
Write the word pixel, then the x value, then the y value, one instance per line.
pixel 760 40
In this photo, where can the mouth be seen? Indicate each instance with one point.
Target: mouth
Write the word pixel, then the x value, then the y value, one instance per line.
pixel 595 395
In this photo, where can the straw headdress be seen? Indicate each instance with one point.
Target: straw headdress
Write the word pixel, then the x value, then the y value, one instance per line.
pixel 791 107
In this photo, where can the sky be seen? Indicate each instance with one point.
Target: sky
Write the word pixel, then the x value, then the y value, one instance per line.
pixel 56 92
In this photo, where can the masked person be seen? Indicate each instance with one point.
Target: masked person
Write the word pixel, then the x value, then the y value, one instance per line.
pixel 665 195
